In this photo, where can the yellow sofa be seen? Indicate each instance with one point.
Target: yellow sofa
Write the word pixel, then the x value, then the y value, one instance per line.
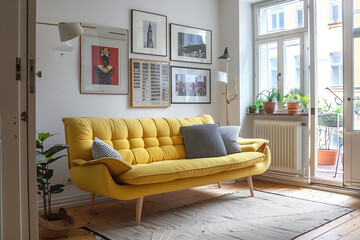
pixel 154 158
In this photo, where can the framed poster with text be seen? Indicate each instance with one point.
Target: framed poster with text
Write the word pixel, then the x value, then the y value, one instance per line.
pixel 150 83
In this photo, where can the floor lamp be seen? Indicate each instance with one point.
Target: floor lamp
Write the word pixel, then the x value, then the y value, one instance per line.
pixel 224 77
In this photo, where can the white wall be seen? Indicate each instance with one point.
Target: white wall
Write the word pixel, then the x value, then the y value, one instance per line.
pixel 236 34
pixel 58 94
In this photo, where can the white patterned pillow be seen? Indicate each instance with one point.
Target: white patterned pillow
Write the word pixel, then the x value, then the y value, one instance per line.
pixel 102 150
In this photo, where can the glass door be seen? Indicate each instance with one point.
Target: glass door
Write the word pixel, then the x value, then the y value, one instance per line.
pixel 352 93
pixel 328 92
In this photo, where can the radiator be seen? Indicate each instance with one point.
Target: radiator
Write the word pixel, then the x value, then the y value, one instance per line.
pixel 285 144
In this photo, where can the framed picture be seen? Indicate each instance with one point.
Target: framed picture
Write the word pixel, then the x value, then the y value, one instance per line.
pixel 190 85
pixel 150 85
pixel 190 44
pixel 104 60
pixel 148 33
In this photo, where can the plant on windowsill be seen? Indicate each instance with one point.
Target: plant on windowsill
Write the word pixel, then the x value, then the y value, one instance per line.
pixel 51 225
pixel 293 99
pixel 270 97
pixel 256 107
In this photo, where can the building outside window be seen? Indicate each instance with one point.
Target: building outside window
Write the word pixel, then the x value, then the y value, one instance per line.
pixel 335 11
pixel 299 15
pixel 276 19
pixel 336 69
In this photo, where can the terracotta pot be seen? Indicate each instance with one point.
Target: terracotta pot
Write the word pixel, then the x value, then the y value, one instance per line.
pixel 327 157
pixel 252 110
pixel 269 107
pixel 292 107
pixel 57 225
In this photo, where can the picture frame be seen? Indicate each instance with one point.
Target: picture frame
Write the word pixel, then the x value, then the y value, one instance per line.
pixel 150 83
pixel 148 33
pixel 190 85
pixel 104 61
pixel 190 44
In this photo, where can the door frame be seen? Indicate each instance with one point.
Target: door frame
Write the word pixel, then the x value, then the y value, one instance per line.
pixel 17 131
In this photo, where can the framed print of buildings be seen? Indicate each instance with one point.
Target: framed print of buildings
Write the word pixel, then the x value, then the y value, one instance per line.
pixel 189 44
pixel 148 33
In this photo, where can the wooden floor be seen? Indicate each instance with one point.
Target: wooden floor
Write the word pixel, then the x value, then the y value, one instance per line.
pixel 346 227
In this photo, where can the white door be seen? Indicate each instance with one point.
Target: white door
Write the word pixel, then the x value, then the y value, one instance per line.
pixel 18 211
pixel 352 93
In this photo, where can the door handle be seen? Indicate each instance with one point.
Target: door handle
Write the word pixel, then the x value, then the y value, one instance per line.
pixel 355 98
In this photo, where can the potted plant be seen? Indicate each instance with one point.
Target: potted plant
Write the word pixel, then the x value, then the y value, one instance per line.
pixel 328 121
pixel 270 97
pixel 51 225
pixel 256 107
pixel 293 99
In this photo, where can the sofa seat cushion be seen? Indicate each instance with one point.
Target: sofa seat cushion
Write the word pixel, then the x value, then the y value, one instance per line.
pixel 169 170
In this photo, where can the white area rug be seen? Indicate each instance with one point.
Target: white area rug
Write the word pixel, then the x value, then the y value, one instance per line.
pixel 230 216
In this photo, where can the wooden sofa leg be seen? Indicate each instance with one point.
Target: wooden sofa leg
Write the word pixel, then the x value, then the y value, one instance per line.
pixel 139 204
pixel 219 185
pixel 92 201
pixel 250 183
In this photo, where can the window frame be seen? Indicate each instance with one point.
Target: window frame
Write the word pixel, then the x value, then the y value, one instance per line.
pixel 277 33
pixel 280 61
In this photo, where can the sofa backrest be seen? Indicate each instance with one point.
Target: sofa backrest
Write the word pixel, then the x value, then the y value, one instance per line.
pixel 138 140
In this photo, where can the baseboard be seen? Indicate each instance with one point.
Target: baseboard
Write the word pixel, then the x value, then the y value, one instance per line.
pixel 281 178
pixel 72 201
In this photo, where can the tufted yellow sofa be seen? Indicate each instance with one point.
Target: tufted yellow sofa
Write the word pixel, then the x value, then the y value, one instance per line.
pixel 154 150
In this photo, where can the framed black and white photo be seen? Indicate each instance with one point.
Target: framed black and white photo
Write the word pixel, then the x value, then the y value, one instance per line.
pixel 148 33
pixel 104 60
pixel 150 83
pixel 190 85
pixel 189 44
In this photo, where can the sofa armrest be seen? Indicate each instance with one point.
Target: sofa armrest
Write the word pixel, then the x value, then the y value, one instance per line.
pixel 252 144
pixel 115 166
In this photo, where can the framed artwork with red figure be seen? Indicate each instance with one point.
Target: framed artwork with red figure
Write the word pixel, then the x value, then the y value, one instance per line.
pixel 104 65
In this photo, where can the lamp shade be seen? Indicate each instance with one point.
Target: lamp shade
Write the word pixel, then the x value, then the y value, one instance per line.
pixel 225 56
pixel 222 77
pixel 70 30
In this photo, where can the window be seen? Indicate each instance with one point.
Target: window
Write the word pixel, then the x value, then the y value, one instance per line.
pixel 268 65
pixel 279 45
pixel 335 11
pixel 336 69
pixel 275 18
pixel 299 15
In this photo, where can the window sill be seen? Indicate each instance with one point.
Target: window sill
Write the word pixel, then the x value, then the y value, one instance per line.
pixel 279 114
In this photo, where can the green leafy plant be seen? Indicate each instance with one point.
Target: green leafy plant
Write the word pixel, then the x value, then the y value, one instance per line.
pixel 43 159
pixel 295 96
pixel 258 105
pixel 270 95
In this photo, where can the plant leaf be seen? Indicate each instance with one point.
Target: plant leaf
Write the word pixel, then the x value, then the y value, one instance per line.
pixel 39 175
pixel 49 174
pixel 43 136
pixel 51 160
pixel 38 144
pixel 55 149
pixel 54 191
pixel 40 158
pixel 56 186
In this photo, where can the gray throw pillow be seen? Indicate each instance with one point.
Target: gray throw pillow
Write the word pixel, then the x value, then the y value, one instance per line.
pixel 203 140
pixel 230 135
pixel 101 150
